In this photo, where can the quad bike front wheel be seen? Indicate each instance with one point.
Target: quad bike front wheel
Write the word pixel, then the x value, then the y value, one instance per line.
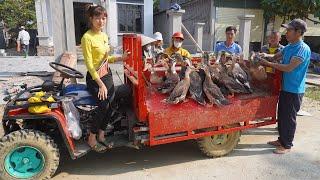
pixel 219 145
pixel 28 154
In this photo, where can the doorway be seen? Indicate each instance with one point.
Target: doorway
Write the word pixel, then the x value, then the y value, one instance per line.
pixel 80 20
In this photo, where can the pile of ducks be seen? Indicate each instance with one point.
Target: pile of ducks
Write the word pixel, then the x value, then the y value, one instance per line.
pixel 208 82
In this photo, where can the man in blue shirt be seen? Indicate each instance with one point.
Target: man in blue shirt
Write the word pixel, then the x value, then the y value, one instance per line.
pixel 229 45
pixel 295 59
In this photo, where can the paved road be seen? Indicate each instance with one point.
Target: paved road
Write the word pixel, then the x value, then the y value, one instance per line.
pixel 252 159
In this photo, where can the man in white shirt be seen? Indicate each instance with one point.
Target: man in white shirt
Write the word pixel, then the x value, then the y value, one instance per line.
pixel 23 40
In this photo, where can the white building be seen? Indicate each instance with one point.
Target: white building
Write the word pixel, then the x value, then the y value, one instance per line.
pixel 218 14
pixel 61 23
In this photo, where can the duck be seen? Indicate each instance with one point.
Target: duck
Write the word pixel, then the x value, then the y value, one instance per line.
pixel 184 61
pixel 196 90
pixel 211 90
pixel 257 71
pixel 215 70
pixel 171 78
pixel 223 57
pixel 231 84
pixel 180 91
pixel 235 71
pixel 154 77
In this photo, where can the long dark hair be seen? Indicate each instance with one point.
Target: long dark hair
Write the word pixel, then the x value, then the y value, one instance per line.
pixel 95 10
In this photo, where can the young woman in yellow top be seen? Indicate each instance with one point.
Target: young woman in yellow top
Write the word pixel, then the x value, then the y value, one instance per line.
pixel 95 48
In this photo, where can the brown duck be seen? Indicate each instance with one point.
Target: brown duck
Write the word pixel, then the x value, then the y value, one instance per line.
pixel 235 71
pixel 211 90
pixel 231 84
pixel 196 88
pixel 180 91
pixel 171 78
pixel 154 77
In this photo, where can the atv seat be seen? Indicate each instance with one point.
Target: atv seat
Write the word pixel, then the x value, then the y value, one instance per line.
pixel 82 95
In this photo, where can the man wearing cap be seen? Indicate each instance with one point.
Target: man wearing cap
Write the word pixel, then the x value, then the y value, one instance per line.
pixel 176 46
pixel 229 45
pixel 295 59
pixel 157 48
pixel 23 40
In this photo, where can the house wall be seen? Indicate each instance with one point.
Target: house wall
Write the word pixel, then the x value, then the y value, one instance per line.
pixel 313 29
pixel 147 21
pixel 148 18
pixel 189 19
pixel 197 11
pixel 161 24
pixel 58 33
pixel 229 16
pixel 312 36
pixel 56 21
pixel 112 23
pixel 62 23
pixel 216 15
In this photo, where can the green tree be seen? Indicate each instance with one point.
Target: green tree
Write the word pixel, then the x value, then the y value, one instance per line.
pixel 290 9
pixel 156 4
pixel 16 13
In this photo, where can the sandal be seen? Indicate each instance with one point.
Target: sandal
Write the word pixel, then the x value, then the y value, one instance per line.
pixel 107 144
pixel 99 148
pixel 275 143
pixel 281 150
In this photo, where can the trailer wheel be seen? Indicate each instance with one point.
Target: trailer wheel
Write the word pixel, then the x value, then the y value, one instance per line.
pixel 28 154
pixel 219 145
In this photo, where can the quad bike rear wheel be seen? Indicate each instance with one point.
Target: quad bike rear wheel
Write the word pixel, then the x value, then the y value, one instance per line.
pixel 219 145
pixel 28 154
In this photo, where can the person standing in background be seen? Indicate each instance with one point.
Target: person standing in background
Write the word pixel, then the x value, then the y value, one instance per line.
pixel 229 45
pixel 158 44
pixel 23 41
pixel 273 45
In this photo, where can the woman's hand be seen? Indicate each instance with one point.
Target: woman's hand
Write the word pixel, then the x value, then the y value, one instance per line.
pixel 106 55
pixel 125 55
pixel 103 92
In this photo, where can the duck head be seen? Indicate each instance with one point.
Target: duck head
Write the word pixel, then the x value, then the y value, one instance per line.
pixel 189 70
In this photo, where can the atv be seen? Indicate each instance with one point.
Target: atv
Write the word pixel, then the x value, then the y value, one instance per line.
pixel 33 142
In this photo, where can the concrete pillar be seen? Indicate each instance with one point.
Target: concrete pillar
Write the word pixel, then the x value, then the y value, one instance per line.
pixel 69 26
pixel 212 24
pixel 112 23
pixel 174 22
pixel 42 22
pixel 244 33
pixel 148 18
pixel 198 34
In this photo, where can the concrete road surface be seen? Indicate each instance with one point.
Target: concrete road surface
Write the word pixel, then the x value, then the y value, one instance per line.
pixel 252 159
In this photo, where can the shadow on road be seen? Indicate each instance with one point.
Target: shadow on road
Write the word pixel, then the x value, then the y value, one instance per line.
pixel 261 131
pixel 123 160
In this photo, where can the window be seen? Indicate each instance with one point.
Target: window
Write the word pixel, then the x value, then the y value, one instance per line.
pixel 130 18
pixel 131 1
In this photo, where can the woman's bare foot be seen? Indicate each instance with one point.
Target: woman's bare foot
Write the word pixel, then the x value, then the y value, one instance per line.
pixel 92 140
pixel 95 145
pixel 101 136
